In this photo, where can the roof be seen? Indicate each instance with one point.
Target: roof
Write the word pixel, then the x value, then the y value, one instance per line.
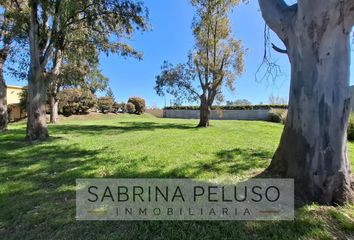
pixel 16 87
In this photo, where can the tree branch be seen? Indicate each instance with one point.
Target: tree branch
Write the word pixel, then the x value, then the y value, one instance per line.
pixel 277 15
pixel 279 49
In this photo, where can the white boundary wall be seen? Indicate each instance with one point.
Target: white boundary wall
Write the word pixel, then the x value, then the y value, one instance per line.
pixel 261 115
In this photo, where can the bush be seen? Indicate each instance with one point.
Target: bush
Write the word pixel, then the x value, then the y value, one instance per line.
pixel 139 104
pixel 23 99
pixel 278 115
pixel 76 101
pixel 120 107
pixel 105 104
pixel 351 127
pixel 131 108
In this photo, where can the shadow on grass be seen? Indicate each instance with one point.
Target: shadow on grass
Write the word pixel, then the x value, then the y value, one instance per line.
pixel 122 128
pixel 37 192
pixel 237 162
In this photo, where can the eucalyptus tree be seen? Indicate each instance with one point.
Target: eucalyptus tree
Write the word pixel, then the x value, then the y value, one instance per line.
pixel 53 28
pixel 313 148
pixel 84 74
pixel 216 60
pixel 12 29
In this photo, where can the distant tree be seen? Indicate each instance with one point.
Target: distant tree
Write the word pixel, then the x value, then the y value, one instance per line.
pixel 95 80
pixel 276 100
pixel 76 101
pixel 75 74
pixel 240 102
pixel 139 104
pixel 23 99
pixel 216 61
pixel 110 94
pixel 131 108
pixel 105 104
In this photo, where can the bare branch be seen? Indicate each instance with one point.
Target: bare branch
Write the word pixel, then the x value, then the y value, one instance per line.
pixel 199 73
pixel 277 15
pixel 268 69
pixel 48 51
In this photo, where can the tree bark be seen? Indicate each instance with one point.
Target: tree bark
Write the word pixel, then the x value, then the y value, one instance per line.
pixel 37 84
pixel 54 81
pixel 36 111
pixel 204 113
pixel 4 118
pixel 54 107
pixel 313 148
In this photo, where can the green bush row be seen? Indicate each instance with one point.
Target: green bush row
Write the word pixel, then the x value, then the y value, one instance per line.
pixel 248 107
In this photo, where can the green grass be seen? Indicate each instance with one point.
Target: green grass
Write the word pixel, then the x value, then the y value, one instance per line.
pixel 37 182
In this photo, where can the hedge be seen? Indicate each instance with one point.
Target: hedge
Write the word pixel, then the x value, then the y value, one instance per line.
pixel 250 107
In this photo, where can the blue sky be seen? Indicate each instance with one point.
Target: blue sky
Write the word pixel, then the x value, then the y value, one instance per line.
pixel 171 39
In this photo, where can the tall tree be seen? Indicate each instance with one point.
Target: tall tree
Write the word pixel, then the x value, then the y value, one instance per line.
pixel 216 61
pixel 110 94
pixel 12 26
pixel 54 25
pixel 71 74
pixel 80 57
pixel 313 148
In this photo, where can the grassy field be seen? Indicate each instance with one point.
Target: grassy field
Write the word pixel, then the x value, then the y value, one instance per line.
pixel 37 182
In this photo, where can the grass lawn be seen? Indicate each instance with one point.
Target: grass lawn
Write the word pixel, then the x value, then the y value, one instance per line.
pixel 37 182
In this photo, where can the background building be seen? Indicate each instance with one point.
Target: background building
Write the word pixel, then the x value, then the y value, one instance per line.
pixel 13 102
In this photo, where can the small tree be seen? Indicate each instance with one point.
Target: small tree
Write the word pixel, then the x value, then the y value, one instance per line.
pixel 110 94
pixel 105 104
pixel 23 99
pixel 76 101
pixel 216 61
pixel 276 100
pixel 139 104
pixel 131 108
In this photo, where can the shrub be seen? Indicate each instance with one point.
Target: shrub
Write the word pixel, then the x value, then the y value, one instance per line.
pixel 76 101
pixel 278 115
pixel 23 99
pixel 105 104
pixel 131 108
pixel 120 107
pixel 351 127
pixel 139 104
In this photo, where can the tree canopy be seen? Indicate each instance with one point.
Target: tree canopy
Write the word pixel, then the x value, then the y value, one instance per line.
pixel 215 61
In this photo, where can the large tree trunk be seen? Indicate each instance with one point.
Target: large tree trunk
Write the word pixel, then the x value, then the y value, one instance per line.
pixel 313 148
pixel 36 111
pixel 3 100
pixel 37 84
pixel 204 113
